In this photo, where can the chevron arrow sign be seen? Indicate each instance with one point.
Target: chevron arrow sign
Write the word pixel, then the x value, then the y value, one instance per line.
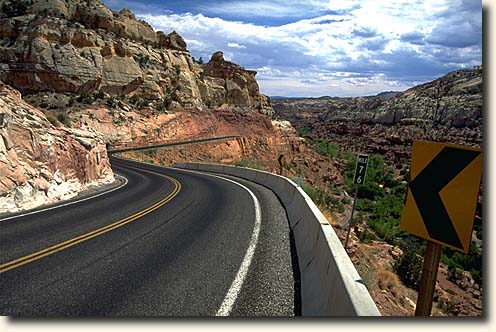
pixel 442 194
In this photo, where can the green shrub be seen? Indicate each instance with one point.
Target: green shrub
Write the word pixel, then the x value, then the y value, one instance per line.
pixel 346 200
pixel 150 152
pixel 325 147
pixel 364 236
pixel 303 131
pixel 471 262
pixel 62 117
pixel 447 307
pixel 246 163
pixel 409 269
pixel 52 119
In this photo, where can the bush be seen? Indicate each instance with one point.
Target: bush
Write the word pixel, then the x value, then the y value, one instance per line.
pixel 346 200
pixel 303 131
pixel 364 236
pixel 150 152
pixel 52 119
pixel 325 147
pixel 64 118
pixel 246 163
pixel 471 262
pixel 317 195
pixel 409 269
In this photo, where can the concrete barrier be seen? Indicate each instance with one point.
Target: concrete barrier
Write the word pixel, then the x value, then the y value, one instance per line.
pixel 330 284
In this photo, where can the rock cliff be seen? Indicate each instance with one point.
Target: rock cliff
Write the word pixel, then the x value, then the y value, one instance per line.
pixel 41 163
pixel 454 100
pixel 80 46
pixel 448 109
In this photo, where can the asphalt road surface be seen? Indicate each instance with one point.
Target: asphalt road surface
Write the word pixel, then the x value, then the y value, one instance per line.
pixel 169 243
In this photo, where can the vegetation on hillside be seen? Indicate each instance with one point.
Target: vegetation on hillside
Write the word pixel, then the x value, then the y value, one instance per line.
pixel 380 205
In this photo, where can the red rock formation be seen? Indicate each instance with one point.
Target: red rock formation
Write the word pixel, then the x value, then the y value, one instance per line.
pixel 40 163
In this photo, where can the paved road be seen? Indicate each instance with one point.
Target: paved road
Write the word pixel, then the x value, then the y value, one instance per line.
pixel 169 243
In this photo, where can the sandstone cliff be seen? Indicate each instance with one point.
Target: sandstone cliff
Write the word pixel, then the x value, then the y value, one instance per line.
pixel 81 46
pixel 40 163
pixel 454 100
pixel 448 109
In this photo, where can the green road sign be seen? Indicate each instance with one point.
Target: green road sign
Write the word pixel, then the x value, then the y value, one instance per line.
pixel 361 169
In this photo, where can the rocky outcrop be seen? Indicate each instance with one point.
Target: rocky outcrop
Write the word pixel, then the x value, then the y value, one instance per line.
pixel 454 100
pixel 232 84
pixel 126 128
pixel 448 109
pixel 80 46
pixel 41 163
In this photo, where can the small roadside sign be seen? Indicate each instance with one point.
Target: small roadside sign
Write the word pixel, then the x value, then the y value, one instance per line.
pixel 358 179
pixel 361 169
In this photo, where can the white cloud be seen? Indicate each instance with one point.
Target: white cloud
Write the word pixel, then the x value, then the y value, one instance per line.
pixel 342 4
pixel 364 47
pixel 310 87
pixel 235 45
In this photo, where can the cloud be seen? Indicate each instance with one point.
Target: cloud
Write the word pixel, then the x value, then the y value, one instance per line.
pixel 413 37
pixel 235 45
pixel 372 45
pixel 458 26
pixel 365 32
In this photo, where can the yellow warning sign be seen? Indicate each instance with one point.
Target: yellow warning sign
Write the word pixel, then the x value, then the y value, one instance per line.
pixel 442 193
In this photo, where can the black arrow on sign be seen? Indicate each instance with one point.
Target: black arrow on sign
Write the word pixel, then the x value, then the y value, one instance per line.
pixel 427 185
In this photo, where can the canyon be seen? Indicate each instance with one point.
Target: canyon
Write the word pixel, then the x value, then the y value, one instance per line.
pixel 78 79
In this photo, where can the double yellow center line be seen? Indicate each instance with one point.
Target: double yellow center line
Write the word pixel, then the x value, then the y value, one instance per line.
pixel 85 237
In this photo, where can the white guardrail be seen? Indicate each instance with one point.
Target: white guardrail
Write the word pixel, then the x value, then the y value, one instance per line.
pixel 330 284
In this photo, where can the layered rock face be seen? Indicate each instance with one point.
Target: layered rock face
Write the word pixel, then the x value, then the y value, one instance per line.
pixel 80 46
pixel 40 163
pixel 454 100
pixel 448 109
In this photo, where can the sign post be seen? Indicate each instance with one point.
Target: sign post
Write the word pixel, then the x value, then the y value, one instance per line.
pixel 358 179
pixel 280 160
pixel 440 205
pixel 428 280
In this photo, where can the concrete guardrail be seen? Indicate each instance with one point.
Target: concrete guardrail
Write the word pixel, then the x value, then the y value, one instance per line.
pixel 330 284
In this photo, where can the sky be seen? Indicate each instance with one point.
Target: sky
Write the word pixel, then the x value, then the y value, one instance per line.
pixel 315 48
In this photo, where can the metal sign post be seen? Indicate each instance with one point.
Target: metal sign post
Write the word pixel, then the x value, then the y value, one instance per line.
pixel 358 179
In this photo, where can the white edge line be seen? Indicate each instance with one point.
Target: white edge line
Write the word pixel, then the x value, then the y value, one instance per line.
pixel 70 203
pixel 237 284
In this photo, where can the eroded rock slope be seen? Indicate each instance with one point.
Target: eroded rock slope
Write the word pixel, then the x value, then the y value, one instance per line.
pixel 41 163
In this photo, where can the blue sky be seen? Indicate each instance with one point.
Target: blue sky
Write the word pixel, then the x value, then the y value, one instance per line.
pixel 326 47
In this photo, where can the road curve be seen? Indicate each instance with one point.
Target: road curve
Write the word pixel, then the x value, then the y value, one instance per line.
pixel 169 243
